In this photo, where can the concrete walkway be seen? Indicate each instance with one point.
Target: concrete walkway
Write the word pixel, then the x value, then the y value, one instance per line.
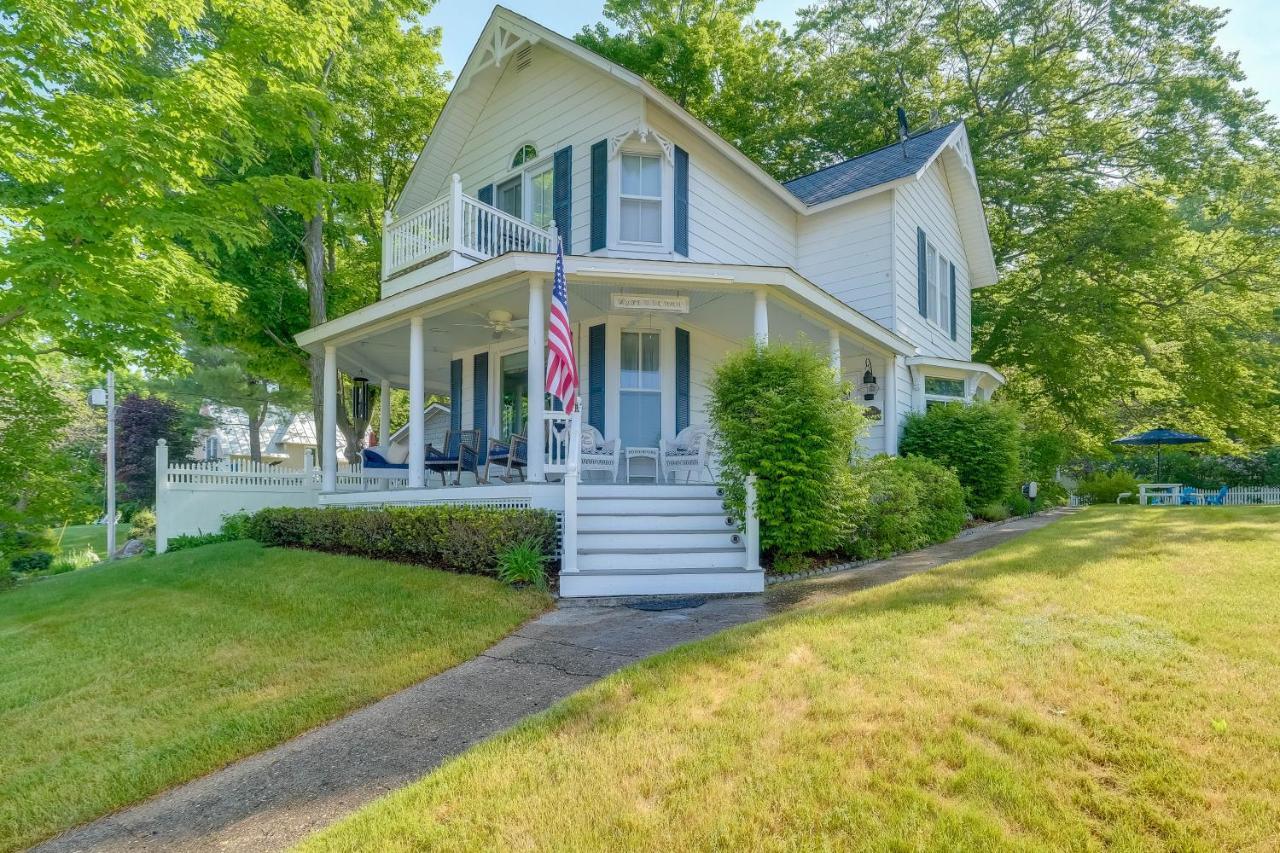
pixel 275 798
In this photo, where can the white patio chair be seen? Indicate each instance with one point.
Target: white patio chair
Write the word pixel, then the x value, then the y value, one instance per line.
pixel 690 452
pixel 598 454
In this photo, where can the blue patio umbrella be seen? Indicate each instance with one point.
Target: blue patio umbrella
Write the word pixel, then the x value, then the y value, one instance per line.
pixel 1159 438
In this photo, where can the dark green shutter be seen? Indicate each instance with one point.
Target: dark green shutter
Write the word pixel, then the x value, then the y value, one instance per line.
pixel 480 404
pixel 455 402
pixel 682 379
pixel 562 196
pixel 922 274
pixel 953 301
pixel 682 202
pixel 595 377
pixel 485 194
pixel 599 194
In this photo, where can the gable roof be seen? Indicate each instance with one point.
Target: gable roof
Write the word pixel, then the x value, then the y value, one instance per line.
pixel 506 32
pixel 882 166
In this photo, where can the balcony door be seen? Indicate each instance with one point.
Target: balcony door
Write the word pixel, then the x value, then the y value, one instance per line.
pixel 640 389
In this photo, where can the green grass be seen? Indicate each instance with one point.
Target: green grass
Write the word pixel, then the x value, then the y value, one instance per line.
pixel 79 536
pixel 119 681
pixel 1109 682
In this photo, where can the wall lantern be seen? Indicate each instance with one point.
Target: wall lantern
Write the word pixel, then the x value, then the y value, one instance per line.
pixel 360 398
pixel 868 388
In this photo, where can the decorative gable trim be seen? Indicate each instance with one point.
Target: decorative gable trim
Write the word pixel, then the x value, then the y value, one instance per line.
pixel 496 43
pixel 644 132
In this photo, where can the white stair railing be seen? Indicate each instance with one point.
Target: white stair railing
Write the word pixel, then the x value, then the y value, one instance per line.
pixel 569 547
pixel 557 428
pixel 457 223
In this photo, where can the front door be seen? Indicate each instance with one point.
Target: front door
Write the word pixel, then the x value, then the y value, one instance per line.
pixel 513 407
pixel 640 387
pixel 510 198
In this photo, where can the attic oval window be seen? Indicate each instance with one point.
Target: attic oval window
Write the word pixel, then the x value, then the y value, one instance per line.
pixel 526 154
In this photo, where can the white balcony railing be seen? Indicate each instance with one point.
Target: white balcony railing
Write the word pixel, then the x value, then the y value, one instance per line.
pixel 458 223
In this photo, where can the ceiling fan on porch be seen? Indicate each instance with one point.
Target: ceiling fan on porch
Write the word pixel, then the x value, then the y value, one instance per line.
pixel 498 321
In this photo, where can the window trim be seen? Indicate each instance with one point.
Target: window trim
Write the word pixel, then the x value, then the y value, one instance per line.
pixel 937 286
pixel 613 236
pixel 660 198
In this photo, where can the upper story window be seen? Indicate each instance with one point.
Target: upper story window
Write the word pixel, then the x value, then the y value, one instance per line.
pixel 526 154
pixel 938 271
pixel 640 199
pixel 527 194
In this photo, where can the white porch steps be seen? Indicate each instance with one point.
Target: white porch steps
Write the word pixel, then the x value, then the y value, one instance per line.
pixel 652 540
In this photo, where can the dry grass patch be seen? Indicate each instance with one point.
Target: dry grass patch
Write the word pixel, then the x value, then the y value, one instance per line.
pixel 122 680
pixel 1110 681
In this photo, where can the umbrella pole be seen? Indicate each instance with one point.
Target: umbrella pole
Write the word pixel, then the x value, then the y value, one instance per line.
pixel 1158 480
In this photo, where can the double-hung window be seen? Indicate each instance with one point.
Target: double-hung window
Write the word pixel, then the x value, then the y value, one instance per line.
pixel 939 390
pixel 938 286
pixel 640 199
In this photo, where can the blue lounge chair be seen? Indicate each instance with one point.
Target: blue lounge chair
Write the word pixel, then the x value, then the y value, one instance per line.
pixel 1188 497
pixel 374 466
pixel 511 454
pixel 461 453
pixel 1219 499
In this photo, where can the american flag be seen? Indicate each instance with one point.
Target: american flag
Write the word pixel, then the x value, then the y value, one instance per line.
pixel 562 368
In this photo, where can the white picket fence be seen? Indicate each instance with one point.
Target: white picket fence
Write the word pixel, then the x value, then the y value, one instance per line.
pixel 194 497
pixel 1245 495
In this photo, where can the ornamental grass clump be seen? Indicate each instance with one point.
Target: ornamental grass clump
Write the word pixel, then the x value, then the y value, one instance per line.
pixel 779 412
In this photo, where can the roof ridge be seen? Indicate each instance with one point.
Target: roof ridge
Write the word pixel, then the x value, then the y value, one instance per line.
pixel 847 160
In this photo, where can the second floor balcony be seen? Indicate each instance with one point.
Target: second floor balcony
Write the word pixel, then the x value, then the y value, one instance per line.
pixel 454 231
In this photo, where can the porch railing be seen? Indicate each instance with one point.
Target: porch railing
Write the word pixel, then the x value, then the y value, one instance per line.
pixel 556 429
pixel 457 223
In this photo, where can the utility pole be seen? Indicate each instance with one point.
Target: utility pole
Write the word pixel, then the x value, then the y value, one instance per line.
pixel 111 464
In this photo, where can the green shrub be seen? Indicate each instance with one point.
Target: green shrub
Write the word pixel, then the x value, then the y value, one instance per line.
pixel 1051 494
pixel 34 561
pixel 994 511
pixel 911 502
pixel 1103 488
pixel 234 526
pixel 523 563
pixel 780 413
pixel 143 525
pixel 8 579
pixel 458 538
pixel 980 441
pixel 1018 503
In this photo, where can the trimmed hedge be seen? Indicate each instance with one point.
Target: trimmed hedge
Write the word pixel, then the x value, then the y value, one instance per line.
pixel 464 539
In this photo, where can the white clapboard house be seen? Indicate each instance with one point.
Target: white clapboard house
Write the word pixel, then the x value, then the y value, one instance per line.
pixel 678 250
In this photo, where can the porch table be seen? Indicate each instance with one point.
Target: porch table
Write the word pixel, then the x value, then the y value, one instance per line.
pixel 1159 494
pixel 650 453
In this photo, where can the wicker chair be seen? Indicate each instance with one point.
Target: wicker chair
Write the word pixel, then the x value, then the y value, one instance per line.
pixel 512 454
pixel 461 452
pixel 689 451
pixel 598 454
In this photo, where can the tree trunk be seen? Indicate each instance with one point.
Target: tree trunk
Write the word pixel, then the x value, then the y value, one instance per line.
pixel 257 415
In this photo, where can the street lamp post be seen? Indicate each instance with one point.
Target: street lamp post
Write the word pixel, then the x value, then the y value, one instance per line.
pixel 108 399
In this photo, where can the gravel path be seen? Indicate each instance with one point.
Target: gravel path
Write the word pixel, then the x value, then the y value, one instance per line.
pixel 273 799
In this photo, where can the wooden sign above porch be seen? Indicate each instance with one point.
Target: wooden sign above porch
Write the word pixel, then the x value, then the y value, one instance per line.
pixel 651 302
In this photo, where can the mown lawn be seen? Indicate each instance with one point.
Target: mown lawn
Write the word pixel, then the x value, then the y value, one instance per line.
pixel 119 681
pixel 77 536
pixel 1111 681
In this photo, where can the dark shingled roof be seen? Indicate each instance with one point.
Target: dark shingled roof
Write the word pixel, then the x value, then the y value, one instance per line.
pixel 871 169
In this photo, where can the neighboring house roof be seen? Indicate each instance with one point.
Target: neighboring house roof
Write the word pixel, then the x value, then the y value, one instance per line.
pixel 433 410
pixel 884 165
pixel 506 31
pixel 279 429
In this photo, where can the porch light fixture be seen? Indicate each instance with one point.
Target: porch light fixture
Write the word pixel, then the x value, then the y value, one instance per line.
pixel 360 398
pixel 868 388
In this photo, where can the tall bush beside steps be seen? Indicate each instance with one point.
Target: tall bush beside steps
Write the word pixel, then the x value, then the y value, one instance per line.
pixel 779 412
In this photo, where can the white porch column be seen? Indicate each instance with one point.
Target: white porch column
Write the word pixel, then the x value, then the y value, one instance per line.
pixel 890 404
pixel 537 381
pixel 836 364
pixel 384 414
pixel 417 426
pixel 329 430
pixel 762 317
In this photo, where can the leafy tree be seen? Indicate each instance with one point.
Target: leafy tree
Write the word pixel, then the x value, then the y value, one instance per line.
pixel 140 423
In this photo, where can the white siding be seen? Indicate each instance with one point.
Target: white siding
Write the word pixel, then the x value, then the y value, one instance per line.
pixel 846 251
pixel 554 102
pixel 706 351
pixel 732 218
pixel 927 204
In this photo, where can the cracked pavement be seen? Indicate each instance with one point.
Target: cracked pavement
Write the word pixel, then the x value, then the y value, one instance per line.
pixel 271 800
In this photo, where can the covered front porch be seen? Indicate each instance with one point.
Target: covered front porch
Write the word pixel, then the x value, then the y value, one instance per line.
pixel 647 334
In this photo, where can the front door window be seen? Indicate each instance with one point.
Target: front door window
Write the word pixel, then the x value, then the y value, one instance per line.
pixel 641 390
pixel 514 408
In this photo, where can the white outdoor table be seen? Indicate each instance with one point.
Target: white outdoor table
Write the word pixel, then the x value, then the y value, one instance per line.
pixel 650 453
pixel 1161 494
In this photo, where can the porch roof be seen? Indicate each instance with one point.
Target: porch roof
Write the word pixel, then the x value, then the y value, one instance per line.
pixel 451 291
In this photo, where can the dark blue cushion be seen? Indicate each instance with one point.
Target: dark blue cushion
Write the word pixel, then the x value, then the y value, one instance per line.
pixel 373 459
